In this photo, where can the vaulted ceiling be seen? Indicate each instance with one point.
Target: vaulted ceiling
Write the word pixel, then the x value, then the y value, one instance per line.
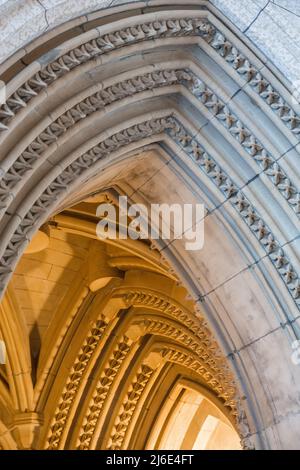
pixel 164 105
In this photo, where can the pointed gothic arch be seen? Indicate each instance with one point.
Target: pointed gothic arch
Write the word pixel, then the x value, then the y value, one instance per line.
pixel 162 104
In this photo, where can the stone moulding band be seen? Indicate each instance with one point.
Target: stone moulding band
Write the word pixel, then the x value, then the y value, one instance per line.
pixel 172 127
pixel 97 101
pixel 131 400
pixel 247 141
pixel 103 44
pixel 99 46
pixel 100 394
pixel 43 167
pixel 208 364
pixel 152 300
pixel 150 30
pixel 243 206
pixel 73 381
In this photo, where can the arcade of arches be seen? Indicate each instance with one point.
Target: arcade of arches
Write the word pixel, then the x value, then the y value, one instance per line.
pixel 141 344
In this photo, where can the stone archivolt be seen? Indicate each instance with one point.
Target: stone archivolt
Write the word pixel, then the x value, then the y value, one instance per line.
pixel 119 91
pixel 187 88
pixel 73 381
pixel 168 28
pixel 203 359
pixel 101 392
pixel 130 315
pixel 146 31
pixel 25 162
pixel 134 394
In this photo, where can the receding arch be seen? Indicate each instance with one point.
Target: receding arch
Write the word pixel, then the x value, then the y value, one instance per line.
pixel 147 99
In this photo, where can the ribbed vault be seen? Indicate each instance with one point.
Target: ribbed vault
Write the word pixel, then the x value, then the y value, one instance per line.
pixel 164 106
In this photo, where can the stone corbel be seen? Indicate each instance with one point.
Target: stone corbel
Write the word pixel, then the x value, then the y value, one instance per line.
pixel 40 240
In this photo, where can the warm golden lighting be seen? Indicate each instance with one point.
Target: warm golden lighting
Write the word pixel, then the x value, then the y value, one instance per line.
pixel 39 242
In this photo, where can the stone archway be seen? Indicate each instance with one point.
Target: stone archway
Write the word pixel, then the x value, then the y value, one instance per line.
pixel 153 96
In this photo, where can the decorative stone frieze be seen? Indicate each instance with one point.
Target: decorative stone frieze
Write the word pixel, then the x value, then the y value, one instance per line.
pixel 73 382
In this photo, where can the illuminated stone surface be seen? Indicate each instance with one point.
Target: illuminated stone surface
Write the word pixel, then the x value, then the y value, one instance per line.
pixel 165 108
